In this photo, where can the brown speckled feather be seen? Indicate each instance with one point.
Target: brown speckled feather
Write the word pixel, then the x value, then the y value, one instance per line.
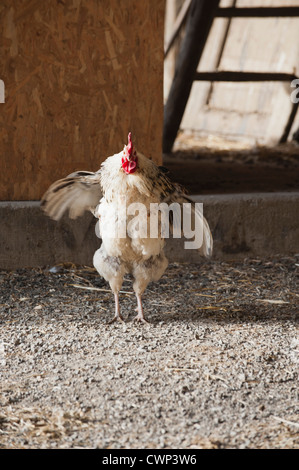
pixel 77 193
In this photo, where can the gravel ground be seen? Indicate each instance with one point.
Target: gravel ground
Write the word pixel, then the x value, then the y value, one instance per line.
pixel 217 367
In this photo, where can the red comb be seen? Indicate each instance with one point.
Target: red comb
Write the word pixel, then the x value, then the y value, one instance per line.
pixel 130 144
pixel 129 161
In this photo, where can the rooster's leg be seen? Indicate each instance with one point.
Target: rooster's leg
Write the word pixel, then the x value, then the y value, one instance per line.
pixel 140 316
pixel 117 316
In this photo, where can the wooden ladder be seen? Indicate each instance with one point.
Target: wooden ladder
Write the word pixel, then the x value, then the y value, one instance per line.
pixel 201 14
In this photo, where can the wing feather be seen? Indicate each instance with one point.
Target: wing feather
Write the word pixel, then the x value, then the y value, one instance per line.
pixel 175 193
pixel 77 193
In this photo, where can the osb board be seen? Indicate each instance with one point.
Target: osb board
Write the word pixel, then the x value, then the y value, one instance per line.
pixel 78 76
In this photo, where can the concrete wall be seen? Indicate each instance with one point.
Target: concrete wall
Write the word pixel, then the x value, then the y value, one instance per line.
pixel 245 225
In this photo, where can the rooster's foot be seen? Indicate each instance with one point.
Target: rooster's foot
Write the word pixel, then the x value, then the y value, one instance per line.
pixel 116 318
pixel 140 319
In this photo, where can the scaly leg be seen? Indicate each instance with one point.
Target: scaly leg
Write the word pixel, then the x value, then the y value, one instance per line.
pixel 139 309
pixel 117 316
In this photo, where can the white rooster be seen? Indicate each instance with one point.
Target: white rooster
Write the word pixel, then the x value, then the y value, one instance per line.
pixel 131 178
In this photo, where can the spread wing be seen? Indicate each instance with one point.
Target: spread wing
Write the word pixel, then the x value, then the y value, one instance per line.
pixel 175 193
pixel 77 193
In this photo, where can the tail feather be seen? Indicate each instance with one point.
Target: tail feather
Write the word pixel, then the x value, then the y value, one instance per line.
pixel 206 248
pixel 207 244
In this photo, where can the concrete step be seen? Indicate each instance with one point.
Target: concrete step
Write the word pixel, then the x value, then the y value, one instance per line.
pixel 243 225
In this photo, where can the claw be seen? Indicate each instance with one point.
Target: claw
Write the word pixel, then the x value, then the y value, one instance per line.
pixel 140 319
pixel 116 318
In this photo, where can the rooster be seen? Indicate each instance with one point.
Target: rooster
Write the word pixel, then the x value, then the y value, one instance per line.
pixel 131 177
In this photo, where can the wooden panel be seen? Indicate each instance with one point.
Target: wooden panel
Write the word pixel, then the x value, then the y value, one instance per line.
pixel 78 76
pixel 248 112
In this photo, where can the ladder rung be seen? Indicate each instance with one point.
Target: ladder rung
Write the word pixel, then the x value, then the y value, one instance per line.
pixel 257 12
pixel 228 76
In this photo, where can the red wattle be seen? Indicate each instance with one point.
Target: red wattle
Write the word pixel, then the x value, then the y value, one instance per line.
pixel 129 166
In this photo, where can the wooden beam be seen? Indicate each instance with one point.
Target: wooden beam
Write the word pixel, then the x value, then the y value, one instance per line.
pixel 178 25
pixel 199 22
pixel 257 12
pixel 228 76
pixel 296 136
pixel 289 124
pixel 223 39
